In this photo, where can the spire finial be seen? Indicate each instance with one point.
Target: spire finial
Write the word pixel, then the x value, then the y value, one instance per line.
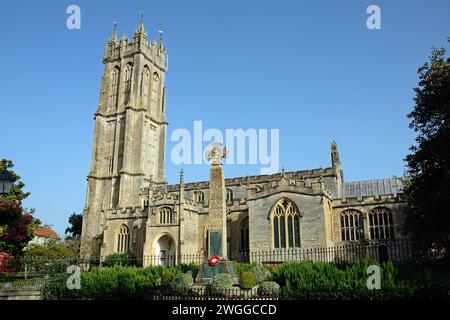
pixel 181 176
pixel 114 35
pixel 141 21
pixel 161 45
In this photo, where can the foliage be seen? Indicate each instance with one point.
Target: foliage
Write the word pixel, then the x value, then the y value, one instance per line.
pixel 428 187
pixel 105 283
pixel 16 192
pixel 182 283
pixel 221 284
pixel 247 280
pixel 16 227
pixel 269 288
pixel 262 274
pixel 243 267
pixel 312 275
pixel 184 268
pixel 119 259
pixel 51 257
pixel 166 280
pixel 76 223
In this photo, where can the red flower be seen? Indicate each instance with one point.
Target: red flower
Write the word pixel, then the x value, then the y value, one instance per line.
pixel 214 260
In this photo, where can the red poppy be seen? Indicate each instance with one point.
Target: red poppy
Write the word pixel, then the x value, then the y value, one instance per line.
pixel 214 260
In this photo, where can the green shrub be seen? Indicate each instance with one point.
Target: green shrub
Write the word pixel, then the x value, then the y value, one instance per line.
pixel 221 284
pixel 261 274
pixel 166 278
pixel 247 280
pixel 269 288
pixel 243 267
pixel 49 258
pixel 184 268
pixel 119 259
pixel 105 283
pixel 182 283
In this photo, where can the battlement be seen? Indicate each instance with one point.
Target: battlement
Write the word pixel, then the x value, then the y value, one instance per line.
pixel 153 51
pixel 126 212
pixel 303 174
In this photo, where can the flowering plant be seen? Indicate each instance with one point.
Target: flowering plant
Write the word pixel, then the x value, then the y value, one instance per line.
pixel 16 227
pixel 214 260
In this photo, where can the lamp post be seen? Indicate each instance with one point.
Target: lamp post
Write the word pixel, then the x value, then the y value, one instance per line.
pixel 6 182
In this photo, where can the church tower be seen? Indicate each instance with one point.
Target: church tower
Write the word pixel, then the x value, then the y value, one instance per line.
pixel 130 130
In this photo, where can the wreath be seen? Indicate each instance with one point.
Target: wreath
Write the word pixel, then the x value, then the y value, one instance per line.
pixel 214 260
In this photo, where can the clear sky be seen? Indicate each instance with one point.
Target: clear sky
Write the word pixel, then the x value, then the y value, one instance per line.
pixel 311 69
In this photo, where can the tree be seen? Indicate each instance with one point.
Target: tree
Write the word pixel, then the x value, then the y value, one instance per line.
pixel 428 190
pixel 16 192
pixel 76 223
pixel 16 223
pixel 47 258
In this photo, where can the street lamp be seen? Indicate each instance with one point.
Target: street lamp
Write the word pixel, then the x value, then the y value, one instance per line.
pixel 6 182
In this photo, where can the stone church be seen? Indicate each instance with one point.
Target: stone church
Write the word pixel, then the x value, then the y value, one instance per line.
pixel 131 208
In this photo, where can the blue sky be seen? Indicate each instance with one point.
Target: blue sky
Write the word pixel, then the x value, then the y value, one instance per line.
pixel 312 69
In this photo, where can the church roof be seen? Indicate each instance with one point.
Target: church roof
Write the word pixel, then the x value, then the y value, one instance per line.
pixel 356 189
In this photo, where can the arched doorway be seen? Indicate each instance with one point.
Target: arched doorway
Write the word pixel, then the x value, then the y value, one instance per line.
pixel 165 250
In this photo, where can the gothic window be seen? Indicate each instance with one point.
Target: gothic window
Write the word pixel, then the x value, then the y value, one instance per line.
pixel 145 86
pixel 128 74
pixel 285 224
pixel 114 90
pixel 165 215
pixel 243 230
pixel 352 227
pixel 381 224
pixel 199 196
pixel 123 239
pixel 229 196
pixel 155 87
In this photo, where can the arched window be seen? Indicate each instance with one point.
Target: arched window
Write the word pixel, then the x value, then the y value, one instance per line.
pixel 145 86
pixel 128 74
pixel 155 89
pixel 229 196
pixel 352 227
pixel 165 215
pixel 114 89
pixel 286 224
pixel 244 235
pixel 199 196
pixel 123 239
pixel 381 224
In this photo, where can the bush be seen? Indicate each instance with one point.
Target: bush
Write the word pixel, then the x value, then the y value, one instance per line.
pixel 247 280
pixel 119 259
pixel 106 283
pixel 261 274
pixel 182 283
pixel 269 288
pixel 243 267
pixel 221 284
pixel 49 258
pixel 166 278
pixel 184 268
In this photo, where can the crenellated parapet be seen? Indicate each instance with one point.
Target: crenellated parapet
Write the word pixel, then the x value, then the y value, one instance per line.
pixel 154 51
pixel 127 212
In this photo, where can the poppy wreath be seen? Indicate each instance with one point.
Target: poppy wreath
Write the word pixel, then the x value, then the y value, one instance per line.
pixel 214 260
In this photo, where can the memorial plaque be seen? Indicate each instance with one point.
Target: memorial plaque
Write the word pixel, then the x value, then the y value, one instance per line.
pixel 215 243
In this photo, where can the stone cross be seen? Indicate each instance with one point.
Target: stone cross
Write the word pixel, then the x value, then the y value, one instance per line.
pixel 217 153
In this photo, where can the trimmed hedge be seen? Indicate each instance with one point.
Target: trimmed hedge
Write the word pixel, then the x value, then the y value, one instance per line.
pixel 119 259
pixel 182 283
pixel 106 283
pixel 247 280
pixel 221 284
pixel 262 274
pixel 269 288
